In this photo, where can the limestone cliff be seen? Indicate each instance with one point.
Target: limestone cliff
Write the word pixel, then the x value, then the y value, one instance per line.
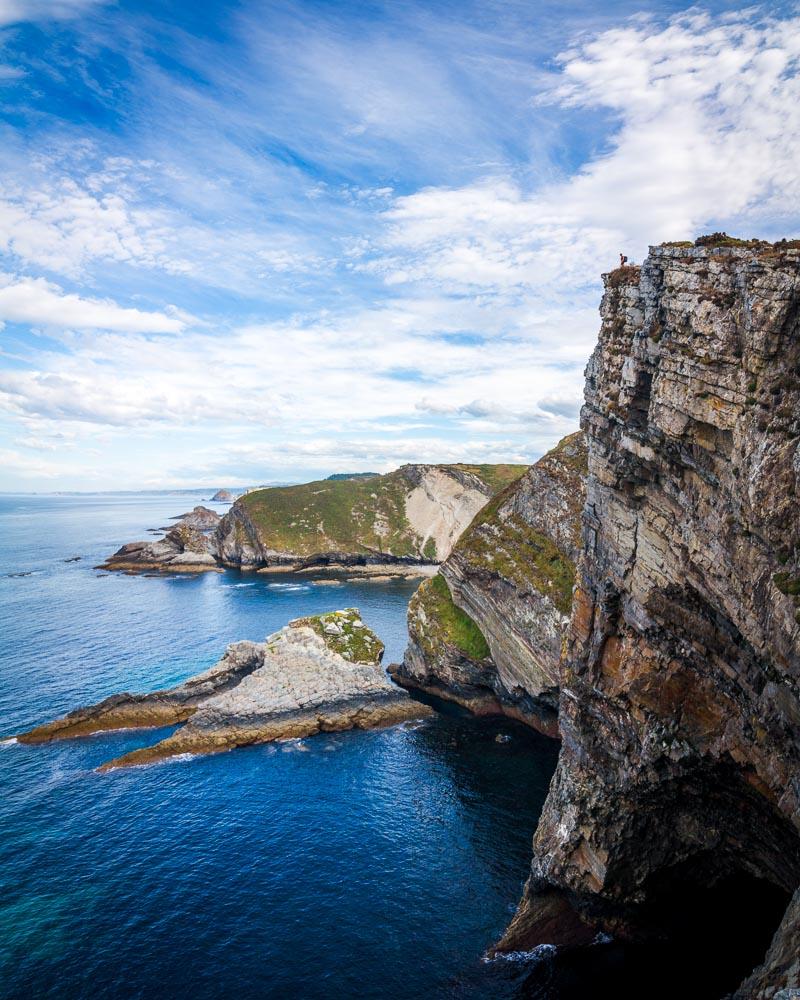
pixel 413 515
pixel 510 576
pixel 680 702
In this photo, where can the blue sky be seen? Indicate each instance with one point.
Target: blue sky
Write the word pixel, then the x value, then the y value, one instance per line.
pixel 244 242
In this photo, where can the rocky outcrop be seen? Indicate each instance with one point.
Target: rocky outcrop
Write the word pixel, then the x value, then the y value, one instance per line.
pixel 223 496
pixel 319 674
pixel 680 701
pixel 186 547
pixel 412 515
pixel 509 576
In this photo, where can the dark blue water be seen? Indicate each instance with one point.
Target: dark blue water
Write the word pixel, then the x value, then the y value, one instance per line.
pixel 376 864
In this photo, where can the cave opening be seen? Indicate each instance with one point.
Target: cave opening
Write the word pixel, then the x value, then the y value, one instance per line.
pixel 704 941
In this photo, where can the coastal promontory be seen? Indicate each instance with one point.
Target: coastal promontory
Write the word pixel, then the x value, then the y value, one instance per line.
pixel 406 518
pixel 488 631
pixel 318 674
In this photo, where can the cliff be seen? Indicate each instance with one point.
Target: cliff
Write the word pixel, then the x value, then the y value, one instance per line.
pixel 414 515
pixel 509 582
pixel 318 674
pixel 679 771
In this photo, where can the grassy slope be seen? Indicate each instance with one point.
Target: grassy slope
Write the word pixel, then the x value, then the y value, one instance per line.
pixel 444 622
pixel 511 548
pixel 347 515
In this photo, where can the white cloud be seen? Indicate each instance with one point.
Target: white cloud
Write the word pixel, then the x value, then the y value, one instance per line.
pixel 458 317
pixel 707 134
pixel 40 303
pixel 15 11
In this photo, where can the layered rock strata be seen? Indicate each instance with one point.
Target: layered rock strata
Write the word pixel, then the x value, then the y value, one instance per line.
pixel 319 674
pixel 186 547
pixel 510 578
pixel 407 518
pixel 680 701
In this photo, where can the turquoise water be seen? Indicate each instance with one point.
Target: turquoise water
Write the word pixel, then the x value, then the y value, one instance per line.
pixel 362 864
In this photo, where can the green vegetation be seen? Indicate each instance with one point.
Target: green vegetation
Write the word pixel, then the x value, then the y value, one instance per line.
pixel 787 584
pixel 352 475
pixel 501 542
pixel 496 477
pixel 723 240
pixel 354 515
pixel 513 550
pixel 571 452
pixel 444 622
pixel 345 634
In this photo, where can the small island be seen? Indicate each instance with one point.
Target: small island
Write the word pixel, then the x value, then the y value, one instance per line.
pixel 317 674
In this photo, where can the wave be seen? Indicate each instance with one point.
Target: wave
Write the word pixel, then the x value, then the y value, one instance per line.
pixel 538 954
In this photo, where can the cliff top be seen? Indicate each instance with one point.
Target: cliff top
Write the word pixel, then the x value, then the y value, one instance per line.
pixel 397 513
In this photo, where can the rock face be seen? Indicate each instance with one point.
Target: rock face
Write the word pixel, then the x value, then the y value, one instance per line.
pixel 319 674
pixel 187 547
pixel 223 496
pixel 412 515
pixel 510 577
pixel 680 703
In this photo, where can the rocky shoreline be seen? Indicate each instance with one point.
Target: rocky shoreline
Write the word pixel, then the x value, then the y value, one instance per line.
pixel 318 674
pixel 401 523
pixel 489 634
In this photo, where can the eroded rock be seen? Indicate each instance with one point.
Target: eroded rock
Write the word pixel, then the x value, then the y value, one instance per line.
pixel 302 680
pixel 510 577
pixel 680 702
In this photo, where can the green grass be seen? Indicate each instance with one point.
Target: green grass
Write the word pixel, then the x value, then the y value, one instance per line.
pixel 496 477
pixel 355 516
pixel 505 545
pixel 787 584
pixel 356 643
pixel 444 622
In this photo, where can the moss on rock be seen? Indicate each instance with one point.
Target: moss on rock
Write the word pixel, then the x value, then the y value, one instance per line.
pixel 436 620
pixel 346 634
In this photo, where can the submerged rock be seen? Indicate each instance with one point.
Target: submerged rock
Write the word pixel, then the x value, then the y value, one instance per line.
pixel 301 680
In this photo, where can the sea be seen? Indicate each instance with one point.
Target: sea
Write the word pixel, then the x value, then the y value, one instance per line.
pixel 377 864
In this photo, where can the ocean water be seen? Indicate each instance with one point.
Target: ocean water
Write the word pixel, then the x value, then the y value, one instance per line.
pixel 375 865
pixel 360 864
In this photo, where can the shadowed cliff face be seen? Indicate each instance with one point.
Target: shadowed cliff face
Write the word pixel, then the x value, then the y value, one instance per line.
pixel 509 578
pixel 680 703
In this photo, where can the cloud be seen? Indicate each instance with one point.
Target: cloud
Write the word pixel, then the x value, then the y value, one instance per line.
pixel 395 242
pixel 15 11
pixel 707 133
pixel 41 303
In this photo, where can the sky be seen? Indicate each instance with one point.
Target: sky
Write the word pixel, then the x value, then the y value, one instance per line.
pixel 246 242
